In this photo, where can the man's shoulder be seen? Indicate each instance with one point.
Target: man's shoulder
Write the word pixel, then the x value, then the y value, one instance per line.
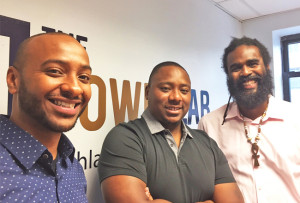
pixel 283 109
pixel 133 129
pixel 199 135
pixel 283 103
pixel 214 119
pixel 217 113
pixel 133 125
pixel 201 138
pixel 197 132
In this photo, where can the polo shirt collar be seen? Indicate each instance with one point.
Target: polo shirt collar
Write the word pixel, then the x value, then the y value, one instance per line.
pixel 156 127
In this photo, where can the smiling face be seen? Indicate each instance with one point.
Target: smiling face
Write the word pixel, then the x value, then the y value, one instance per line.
pixel 248 80
pixel 52 83
pixel 169 95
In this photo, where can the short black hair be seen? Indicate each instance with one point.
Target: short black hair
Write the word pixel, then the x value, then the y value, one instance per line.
pixel 235 42
pixel 163 64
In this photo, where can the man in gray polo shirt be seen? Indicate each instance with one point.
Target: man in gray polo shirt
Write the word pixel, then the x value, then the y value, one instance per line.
pixel 160 152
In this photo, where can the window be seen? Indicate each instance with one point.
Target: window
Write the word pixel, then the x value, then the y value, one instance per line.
pixel 291 67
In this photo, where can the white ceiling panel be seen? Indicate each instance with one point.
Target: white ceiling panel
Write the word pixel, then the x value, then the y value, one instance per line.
pixel 266 7
pixel 239 9
pixel 247 9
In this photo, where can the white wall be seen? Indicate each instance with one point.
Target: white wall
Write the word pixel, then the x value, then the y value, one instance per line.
pixel 126 39
pixel 268 30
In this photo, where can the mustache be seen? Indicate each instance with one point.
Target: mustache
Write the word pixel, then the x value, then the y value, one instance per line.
pixel 243 79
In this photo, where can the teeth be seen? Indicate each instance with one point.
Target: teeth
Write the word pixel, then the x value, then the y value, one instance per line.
pixel 64 104
pixel 250 82
pixel 173 108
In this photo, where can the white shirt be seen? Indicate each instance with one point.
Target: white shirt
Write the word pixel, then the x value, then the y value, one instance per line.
pixel 277 179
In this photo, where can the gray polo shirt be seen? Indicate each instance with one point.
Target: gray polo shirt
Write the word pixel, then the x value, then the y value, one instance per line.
pixel 155 127
pixel 186 176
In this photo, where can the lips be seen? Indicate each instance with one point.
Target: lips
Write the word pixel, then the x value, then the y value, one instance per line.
pixel 171 108
pixel 66 107
pixel 64 104
pixel 250 84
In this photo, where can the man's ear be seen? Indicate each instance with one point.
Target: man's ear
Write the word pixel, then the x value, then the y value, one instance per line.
pixel 13 80
pixel 268 67
pixel 147 92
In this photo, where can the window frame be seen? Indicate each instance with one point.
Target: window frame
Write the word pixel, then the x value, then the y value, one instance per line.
pixel 286 74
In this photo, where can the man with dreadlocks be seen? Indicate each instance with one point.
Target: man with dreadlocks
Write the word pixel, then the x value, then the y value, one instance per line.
pixel 259 135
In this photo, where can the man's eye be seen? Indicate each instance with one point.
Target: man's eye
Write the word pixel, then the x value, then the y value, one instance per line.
pixel 252 65
pixel 184 91
pixel 235 68
pixel 85 78
pixel 54 72
pixel 164 89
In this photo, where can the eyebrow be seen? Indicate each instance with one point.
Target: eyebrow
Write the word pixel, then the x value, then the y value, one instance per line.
pixel 64 63
pixel 170 83
pixel 234 65
pixel 252 60
pixel 247 62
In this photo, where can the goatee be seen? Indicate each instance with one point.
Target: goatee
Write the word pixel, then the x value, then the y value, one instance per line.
pixel 32 105
pixel 244 97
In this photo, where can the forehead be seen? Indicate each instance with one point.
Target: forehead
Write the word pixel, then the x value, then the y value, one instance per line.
pixel 171 74
pixel 243 53
pixel 53 47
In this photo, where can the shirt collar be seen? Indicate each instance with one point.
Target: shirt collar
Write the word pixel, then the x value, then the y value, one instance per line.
pixel 65 147
pixel 24 147
pixel 273 112
pixel 156 127
pixel 275 109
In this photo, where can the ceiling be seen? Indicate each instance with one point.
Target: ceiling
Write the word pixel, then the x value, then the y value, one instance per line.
pixel 247 9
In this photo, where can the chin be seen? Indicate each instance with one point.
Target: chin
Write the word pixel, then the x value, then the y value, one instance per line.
pixel 62 126
pixel 174 121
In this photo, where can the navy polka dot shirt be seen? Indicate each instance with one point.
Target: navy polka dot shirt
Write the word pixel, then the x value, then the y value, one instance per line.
pixel 26 174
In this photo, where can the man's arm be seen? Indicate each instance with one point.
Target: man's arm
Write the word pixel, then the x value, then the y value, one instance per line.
pixel 227 193
pixel 123 188
pixel 224 193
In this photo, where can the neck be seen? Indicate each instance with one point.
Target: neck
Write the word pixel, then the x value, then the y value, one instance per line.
pixel 46 137
pixel 255 112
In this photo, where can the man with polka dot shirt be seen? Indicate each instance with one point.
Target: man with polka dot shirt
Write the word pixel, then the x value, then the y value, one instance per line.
pixel 49 81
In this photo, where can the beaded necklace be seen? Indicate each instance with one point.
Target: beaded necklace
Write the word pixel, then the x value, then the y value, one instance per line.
pixel 254 140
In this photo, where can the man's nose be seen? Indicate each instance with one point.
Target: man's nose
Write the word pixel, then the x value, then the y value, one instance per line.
pixel 71 87
pixel 245 71
pixel 175 95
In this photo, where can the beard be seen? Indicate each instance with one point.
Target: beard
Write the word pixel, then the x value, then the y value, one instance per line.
pixel 244 97
pixel 31 105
